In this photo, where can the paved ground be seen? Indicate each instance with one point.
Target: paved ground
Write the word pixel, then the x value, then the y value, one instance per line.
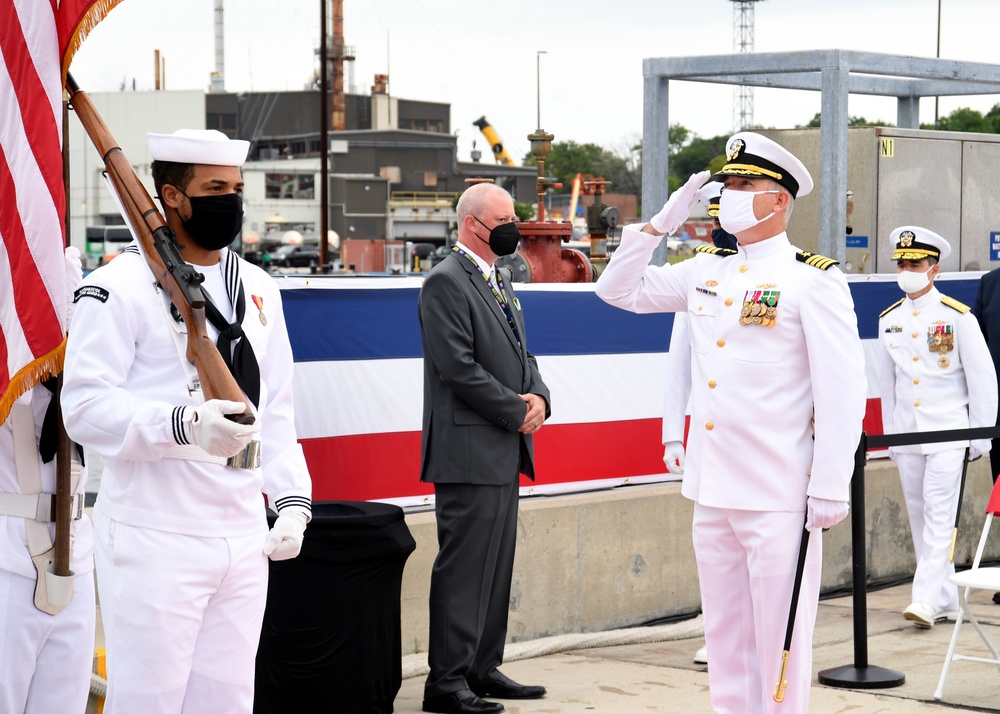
pixel 660 677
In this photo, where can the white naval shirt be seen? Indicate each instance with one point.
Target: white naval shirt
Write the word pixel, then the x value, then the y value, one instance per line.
pixel 931 390
pixel 124 382
pixel 776 411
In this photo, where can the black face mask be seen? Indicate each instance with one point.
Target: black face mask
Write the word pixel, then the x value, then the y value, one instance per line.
pixel 504 237
pixel 215 220
pixel 721 239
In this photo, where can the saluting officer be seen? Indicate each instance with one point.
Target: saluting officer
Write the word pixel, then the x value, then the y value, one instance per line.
pixel 777 400
pixel 935 374
pixel 181 537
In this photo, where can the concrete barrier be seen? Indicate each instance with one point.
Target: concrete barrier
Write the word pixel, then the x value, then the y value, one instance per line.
pixel 596 561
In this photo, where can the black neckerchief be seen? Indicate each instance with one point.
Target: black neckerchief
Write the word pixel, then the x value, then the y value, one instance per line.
pixel 236 352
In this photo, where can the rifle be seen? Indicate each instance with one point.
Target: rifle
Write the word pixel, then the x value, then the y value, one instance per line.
pixel 180 280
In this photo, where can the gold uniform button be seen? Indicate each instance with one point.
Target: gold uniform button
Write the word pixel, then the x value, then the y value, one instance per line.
pixel 729 301
pixel 915 313
pixel 916 404
pixel 711 384
pixel 709 425
pixel 702 308
pixel 915 334
pixel 916 358
pixel 743 268
pixel 916 381
pixel 721 343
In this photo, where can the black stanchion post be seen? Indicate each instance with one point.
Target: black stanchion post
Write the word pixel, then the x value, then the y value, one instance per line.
pixel 860 675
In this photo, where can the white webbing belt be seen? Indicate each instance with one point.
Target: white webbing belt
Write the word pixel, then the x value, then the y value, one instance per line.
pixel 37 506
pixel 248 458
pixel 192 452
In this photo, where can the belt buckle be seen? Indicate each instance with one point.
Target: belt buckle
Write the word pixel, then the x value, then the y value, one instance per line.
pixel 248 458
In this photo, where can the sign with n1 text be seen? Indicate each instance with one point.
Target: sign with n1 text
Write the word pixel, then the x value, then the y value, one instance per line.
pixel 994 245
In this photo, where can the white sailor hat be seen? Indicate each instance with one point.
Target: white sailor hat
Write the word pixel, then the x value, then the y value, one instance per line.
pixel 198 146
pixel 709 195
pixel 916 243
pixel 756 156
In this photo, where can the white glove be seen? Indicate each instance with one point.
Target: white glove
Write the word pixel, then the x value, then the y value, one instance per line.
pixel 208 427
pixel 673 457
pixel 979 447
pixel 74 274
pixel 677 208
pixel 822 513
pixel 285 539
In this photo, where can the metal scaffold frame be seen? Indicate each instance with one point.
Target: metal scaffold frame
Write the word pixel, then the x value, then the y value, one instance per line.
pixel 834 73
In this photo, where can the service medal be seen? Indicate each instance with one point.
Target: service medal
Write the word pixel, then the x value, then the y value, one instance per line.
pixel 259 302
pixel 943 363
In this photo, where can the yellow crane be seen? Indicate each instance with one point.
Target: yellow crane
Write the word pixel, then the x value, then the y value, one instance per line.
pixel 499 153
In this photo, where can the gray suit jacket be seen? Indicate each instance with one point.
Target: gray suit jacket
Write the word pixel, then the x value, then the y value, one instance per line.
pixel 474 370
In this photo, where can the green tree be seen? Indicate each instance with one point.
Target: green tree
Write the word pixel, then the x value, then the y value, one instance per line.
pixel 567 159
pixel 993 117
pixel 851 121
pixel 524 211
pixel 696 156
pixel 965 119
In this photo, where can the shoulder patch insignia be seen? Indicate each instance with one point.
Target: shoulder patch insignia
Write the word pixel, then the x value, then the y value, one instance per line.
pixel 891 307
pixel 955 304
pixel 713 250
pixel 816 261
pixel 90 291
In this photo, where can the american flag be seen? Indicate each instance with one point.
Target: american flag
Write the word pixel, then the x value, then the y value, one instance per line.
pixel 37 41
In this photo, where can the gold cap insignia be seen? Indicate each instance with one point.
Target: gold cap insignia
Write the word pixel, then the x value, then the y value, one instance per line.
pixel 906 239
pixel 735 149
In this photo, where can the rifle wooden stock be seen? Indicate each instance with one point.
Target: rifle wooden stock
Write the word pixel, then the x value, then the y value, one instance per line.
pixel 180 280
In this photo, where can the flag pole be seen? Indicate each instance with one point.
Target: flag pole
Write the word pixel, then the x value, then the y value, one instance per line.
pixel 64 487
pixel 779 689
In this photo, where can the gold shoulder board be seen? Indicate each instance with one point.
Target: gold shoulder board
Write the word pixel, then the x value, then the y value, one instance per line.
pixel 955 304
pixel 891 307
pixel 713 250
pixel 816 261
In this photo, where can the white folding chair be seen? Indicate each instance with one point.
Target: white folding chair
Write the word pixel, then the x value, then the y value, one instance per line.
pixel 980 579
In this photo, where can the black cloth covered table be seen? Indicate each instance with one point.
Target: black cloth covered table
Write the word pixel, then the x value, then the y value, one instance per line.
pixel 330 641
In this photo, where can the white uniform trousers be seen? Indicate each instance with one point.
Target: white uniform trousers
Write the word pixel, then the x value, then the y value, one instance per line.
pixel 182 617
pixel 930 486
pixel 746 567
pixel 46 660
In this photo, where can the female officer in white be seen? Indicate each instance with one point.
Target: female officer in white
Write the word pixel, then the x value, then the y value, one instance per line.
pixel 777 399
pixel 181 538
pixel 936 373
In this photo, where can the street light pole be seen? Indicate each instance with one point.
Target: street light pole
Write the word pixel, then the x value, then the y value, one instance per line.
pixel 538 80
pixel 937 99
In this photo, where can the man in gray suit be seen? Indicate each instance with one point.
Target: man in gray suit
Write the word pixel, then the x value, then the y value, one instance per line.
pixel 484 399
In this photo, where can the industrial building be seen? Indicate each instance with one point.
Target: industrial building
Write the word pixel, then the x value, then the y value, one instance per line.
pixel 394 171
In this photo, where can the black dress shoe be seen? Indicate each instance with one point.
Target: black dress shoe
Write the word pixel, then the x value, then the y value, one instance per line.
pixel 500 686
pixel 461 702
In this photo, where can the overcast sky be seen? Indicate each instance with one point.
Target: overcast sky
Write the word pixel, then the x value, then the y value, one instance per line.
pixel 481 57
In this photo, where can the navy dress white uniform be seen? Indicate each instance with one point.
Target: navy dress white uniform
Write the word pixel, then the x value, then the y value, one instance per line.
pixel 936 373
pixel 777 400
pixel 180 536
pixel 46 656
